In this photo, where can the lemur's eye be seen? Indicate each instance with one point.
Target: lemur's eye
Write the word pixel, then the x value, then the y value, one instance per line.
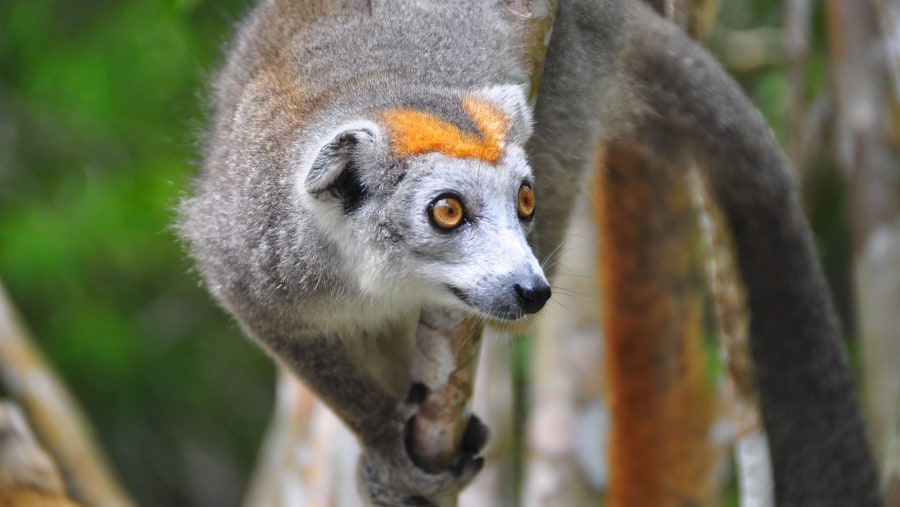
pixel 446 212
pixel 525 205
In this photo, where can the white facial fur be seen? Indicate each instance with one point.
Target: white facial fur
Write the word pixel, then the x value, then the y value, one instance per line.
pixel 473 267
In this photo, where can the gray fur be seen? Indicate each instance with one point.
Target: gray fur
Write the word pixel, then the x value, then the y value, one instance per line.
pixel 328 269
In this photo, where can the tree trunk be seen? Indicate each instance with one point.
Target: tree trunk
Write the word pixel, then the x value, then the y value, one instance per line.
pixel 662 403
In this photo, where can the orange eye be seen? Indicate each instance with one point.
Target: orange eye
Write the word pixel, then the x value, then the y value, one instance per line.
pixel 447 212
pixel 525 205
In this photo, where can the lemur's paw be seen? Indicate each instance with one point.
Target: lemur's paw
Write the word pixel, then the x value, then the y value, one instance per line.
pixel 393 476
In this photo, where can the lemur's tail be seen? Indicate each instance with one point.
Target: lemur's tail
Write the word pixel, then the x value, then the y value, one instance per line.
pixel 819 447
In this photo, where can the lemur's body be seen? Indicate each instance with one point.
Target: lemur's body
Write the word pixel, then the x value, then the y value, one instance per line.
pixel 344 134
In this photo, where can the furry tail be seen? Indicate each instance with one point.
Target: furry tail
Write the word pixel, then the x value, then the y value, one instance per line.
pixel 819 447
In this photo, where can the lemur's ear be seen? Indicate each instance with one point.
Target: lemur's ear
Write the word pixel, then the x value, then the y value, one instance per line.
pixel 334 172
pixel 513 101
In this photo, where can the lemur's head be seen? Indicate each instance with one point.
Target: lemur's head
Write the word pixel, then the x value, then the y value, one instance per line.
pixel 433 204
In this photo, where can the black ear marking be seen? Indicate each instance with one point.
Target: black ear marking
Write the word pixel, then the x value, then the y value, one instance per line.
pixel 349 188
pixel 335 172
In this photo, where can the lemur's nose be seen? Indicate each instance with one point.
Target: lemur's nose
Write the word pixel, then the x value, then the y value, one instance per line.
pixel 532 297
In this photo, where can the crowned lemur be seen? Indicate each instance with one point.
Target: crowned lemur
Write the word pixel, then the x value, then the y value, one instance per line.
pixel 369 158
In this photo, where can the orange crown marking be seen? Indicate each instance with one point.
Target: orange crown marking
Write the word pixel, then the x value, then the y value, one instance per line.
pixel 415 132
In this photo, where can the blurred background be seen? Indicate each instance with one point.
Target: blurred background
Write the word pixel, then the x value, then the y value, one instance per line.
pixel 101 104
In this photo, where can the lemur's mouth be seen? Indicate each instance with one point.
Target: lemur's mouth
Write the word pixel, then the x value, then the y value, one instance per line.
pixel 461 295
pixel 499 313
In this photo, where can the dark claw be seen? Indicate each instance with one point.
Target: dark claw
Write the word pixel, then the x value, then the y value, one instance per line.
pixel 417 393
pixel 408 442
pixel 475 437
pixel 417 501
pixel 468 466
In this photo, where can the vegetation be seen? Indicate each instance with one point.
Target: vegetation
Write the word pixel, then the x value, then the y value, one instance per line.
pixel 100 106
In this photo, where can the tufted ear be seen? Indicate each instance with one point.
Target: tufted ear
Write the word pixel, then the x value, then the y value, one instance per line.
pixel 335 170
pixel 513 101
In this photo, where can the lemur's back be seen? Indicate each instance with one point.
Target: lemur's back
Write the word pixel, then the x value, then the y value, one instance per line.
pixel 331 47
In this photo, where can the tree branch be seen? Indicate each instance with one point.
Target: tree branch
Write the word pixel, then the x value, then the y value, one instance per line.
pixel 56 416
pixel 445 361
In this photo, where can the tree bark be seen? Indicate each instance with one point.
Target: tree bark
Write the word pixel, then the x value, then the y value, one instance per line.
pixel 444 362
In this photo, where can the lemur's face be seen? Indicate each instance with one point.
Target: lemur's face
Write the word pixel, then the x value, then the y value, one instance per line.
pixel 428 211
pixel 462 226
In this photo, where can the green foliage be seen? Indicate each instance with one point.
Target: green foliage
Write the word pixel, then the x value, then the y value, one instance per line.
pixel 99 112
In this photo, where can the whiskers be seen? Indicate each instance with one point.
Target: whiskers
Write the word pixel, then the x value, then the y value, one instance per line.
pixel 551 259
pixel 571 269
pixel 512 327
